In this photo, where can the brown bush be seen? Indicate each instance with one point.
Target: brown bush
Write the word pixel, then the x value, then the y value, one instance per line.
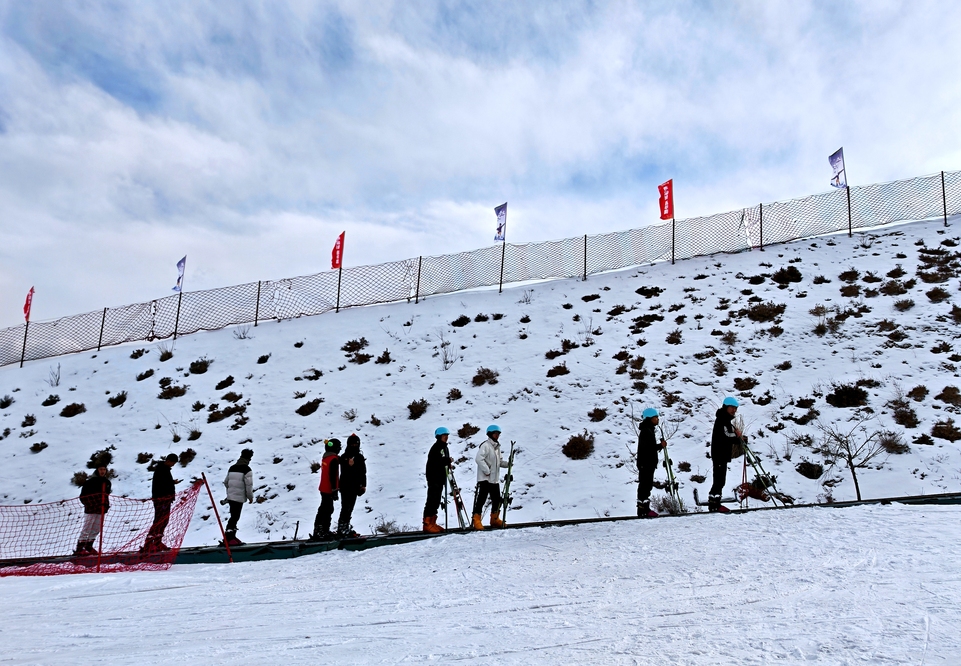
pixel 903 305
pixel 918 393
pixel 144 458
pixel 305 409
pixel 454 394
pixel 171 392
pixel 809 469
pixel 938 294
pixel 37 447
pixel 579 447
pixel 417 409
pixel 744 383
pixel 946 430
pixel 467 430
pixel 484 376
pixel 847 395
pixel 597 414
pixel 893 442
pixel 950 395
pixel 73 409
pixel 186 457
pixel 118 399
pixel 221 385
pixel 200 366
pixel 558 370
pixel 352 346
pixel 786 275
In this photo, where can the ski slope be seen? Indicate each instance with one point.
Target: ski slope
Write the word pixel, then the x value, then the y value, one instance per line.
pixel 864 585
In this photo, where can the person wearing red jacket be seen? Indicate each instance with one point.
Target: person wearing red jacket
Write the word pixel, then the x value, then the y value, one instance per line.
pixel 329 485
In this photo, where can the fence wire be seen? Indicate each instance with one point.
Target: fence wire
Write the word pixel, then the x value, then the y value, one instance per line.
pixel 862 207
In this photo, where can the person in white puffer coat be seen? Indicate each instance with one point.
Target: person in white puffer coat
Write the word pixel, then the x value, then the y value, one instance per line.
pixel 489 463
pixel 239 483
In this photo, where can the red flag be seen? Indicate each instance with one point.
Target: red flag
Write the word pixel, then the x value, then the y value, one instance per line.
pixel 337 256
pixel 27 304
pixel 666 199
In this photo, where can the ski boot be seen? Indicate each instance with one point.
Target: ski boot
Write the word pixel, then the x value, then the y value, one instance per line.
pixel 84 548
pixel 644 510
pixel 714 505
pixel 496 519
pixel 477 522
pixel 431 526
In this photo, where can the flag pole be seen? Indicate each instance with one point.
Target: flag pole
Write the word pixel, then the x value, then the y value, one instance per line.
pixel 500 289
pixel 23 353
pixel 672 240
pixel 180 297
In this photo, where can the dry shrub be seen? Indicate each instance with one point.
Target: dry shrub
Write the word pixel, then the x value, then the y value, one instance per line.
pixel 360 358
pixel 938 294
pixel 484 376
pixel 590 297
pixel 903 305
pixel 649 292
pixel 101 458
pixel 417 409
pixel 946 430
pixel 597 414
pixel 144 458
pixel 809 470
pixel 787 275
pixel 950 395
pixel 481 317
pixel 674 337
pixel 37 447
pixel 918 393
pixel 186 457
pixel 200 366
pixel 467 430
pixel 893 288
pixel 893 442
pixel 847 395
pixel 137 353
pixel 579 447
pixel 850 275
pixel 463 320
pixel 146 374
pixel 783 366
pixel 79 478
pixel 73 409
pixel 698 478
pixel 956 314
pixel 171 392
pixel 221 385
pixel 719 367
pixel 897 272
pixel 558 370
pixel 903 414
pixel 745 383
pixel 454 394
pixel 763 312
pixel 352 346
pixel 118 399
pixel 305 409
pixel 851 290
pixel 384 358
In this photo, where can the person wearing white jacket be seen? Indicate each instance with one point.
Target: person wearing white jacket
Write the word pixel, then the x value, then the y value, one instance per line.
pixel 239 483
pixel 489 463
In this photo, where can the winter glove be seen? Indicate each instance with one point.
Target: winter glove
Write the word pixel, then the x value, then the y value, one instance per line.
pixel 223 501
pixel 336 495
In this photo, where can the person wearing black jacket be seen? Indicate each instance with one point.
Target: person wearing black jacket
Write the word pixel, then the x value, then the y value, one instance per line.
pixel 353 483
pixel 648 448
pixel 438 461
pixel 163 492
pixel 95 498
pixel 723 439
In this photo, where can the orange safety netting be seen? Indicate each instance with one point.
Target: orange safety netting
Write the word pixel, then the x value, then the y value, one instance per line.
pixel 132 535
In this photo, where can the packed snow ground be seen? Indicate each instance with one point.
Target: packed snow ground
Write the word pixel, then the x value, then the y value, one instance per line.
pixel 699 308
pixel 865 585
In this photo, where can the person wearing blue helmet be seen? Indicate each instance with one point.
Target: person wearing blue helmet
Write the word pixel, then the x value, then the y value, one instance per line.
pixel 648 449
pixel 438 460
pixel 723 439
pixel 489 463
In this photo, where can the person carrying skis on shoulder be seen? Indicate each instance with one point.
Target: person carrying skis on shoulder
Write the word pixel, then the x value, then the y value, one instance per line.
pixel 239 483
pixel 438 460
pixel 353 484
pixel 329 485
pixel 723 440
pixel 489 463
pixel 648 449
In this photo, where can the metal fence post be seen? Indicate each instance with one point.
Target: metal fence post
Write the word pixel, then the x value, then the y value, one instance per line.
pixel 585 257
pixel 500 288
pixel 848 190
pixel 257 308
pixel 180 297
pixel 23 352
pixel 102 322
pixel 944 200
pixel 420 261
pixel 760 208
pixel 672 241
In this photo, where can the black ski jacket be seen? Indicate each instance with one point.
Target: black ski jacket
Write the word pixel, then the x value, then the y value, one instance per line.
pixel 648 445
pixel 723 437
pixel 95 494
pixel 163 482
pixel 438 459
pixel 353 471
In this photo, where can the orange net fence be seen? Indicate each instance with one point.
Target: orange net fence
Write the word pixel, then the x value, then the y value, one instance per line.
pixel 71 536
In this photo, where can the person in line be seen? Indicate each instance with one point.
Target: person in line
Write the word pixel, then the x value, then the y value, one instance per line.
pixel 163 490
pixel 489 463
pixel 648 451
pixel 239 483
pixel 329 485
pixel 438 461
pixel 723 439
pixel 353 484
pixel 95 498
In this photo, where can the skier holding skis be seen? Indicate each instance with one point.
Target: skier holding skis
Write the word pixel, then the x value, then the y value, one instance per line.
pixel 329 485
pixel 353 484
pixel 648 448
pixel 723 439
pixel 438 460
pixel 489 463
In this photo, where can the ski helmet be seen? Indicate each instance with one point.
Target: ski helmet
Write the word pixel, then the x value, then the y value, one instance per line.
pixel 649 413
pixel 332 445
pixel 493 428
pixel 353 440
pixel 441 431
pixel 731 402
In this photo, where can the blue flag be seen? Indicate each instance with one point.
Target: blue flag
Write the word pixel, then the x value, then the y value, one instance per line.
pixel 181 265
pixel 501 213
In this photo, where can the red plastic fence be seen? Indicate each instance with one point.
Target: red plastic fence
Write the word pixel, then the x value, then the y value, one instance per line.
pixel 41 539
pixel 861 207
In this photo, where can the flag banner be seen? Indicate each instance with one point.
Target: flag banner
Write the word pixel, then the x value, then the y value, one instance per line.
pixel 27 305
pixel 665 193
pixel 337 255
pixel 840 178
pixel 181 265
pixel 501 213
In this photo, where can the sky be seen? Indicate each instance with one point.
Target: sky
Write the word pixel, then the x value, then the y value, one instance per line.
pixel 247 136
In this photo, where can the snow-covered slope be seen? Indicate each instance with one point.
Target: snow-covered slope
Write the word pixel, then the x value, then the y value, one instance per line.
pixel 704 304
pixel 874 585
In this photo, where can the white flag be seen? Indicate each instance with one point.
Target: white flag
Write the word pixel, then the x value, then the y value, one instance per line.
pixel 840 178
pixel 501 213
pixel 181 265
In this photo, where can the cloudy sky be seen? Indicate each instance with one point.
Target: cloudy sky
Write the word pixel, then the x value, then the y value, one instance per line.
pixel 247 135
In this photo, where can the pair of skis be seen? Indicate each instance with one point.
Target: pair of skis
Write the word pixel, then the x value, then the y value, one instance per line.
pixel 672 484
pixel 463 518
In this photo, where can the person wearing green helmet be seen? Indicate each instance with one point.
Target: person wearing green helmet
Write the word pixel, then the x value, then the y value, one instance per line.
pixel 723 439
pixel 489 463
pixel 438 460
pixel 648 449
